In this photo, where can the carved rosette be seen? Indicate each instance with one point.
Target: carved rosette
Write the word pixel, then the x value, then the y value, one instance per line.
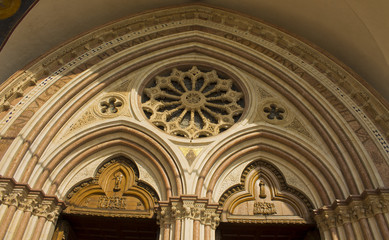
pixel 109 106
pixel 188 207
pixel 275 111
pixel 192 103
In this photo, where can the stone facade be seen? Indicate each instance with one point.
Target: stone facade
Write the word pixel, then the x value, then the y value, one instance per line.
pixel 192 116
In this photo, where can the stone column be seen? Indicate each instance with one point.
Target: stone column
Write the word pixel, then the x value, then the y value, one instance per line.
pixel 27 206
pixel 10 200
pixel 48 213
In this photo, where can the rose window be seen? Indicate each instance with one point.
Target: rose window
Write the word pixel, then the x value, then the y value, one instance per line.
pixel 192 102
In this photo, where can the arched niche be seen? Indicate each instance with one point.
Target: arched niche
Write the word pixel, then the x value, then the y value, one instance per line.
pixel 263 196
pixel 115 191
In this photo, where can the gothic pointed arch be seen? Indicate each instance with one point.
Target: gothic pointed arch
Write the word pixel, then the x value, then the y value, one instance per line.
pixel 192 95
pixel 115 191
pixel 263 196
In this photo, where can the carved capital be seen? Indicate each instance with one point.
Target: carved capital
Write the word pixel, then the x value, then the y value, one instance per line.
pixel 5 188
pixel 320 223
pixel 12 199
pixel 353 209
pixel 27 200
pixel 188 208
pixel 326 220
pixel 47 210
pixel 330 219
pixel 164 215
pixel 28 205
pixel 343 215
pixel 359 210
pixel 377 205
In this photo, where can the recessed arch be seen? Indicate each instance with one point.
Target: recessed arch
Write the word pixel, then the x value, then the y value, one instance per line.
pixel 271 187
pixel 307 113
pixel 114 186
pixel 106 138
pixel 40 105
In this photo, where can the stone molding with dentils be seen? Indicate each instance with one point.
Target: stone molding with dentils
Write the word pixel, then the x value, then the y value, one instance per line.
pixel 188 207
pixel 27 200
pixel 354 208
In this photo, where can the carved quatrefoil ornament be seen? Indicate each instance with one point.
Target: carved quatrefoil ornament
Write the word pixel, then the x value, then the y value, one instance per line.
pixel 192 102
pixel 109 106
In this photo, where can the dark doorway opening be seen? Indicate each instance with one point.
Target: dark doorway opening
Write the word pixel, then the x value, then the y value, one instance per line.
pixel 243 231
pixel 82 227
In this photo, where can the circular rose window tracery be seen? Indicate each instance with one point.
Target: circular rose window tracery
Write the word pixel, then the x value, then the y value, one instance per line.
pixel 192 102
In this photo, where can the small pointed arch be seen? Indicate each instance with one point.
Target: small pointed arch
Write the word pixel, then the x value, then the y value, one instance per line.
pixel 263 196
pixel 114 191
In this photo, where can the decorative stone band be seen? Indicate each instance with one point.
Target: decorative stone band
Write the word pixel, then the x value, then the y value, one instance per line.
pixel 354 208
pixel 25 199
pixel 188 206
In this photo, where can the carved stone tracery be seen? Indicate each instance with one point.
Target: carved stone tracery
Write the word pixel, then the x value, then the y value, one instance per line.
pixel 111 105
pixel 192 103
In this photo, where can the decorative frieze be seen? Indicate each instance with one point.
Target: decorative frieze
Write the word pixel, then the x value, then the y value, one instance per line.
pixel 353 209
pixel 188 207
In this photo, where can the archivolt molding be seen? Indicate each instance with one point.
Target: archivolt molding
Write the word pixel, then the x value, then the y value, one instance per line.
pixel 114 35
pixel 323 174
pixel 148 173
pixel 23 198
pixel 306 70
pixel 70 155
